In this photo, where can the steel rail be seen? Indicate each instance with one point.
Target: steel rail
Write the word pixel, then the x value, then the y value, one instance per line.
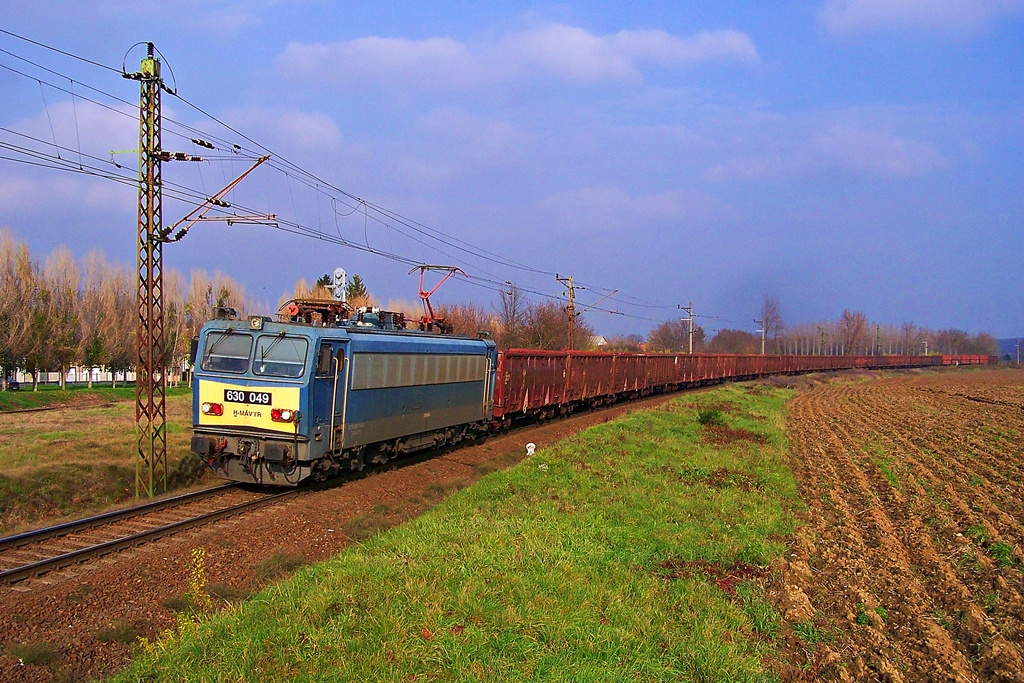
pixel 67 528
pixel 101 549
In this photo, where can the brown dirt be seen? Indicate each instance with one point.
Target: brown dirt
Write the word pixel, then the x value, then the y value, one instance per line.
pixel 722 435
pixel 909 566
pixel 76 610
pixel 725 577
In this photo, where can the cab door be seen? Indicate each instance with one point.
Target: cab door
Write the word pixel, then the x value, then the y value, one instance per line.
pixel 330 380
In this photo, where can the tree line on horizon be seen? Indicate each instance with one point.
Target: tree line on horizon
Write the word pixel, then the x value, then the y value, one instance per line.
pixel 64 313
pixel 851 334
pixel 516 322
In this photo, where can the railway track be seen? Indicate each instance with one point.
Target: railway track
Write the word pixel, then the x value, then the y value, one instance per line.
pixel 41 551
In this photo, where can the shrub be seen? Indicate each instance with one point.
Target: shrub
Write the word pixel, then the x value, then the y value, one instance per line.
pixel 711 417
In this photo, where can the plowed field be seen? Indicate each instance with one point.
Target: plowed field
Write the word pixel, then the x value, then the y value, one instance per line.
pixel 912 555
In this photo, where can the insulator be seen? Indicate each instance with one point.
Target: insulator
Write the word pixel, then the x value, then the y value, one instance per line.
pixel 203 143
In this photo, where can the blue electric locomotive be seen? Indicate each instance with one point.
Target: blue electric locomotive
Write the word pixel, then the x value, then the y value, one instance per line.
pixel 277 403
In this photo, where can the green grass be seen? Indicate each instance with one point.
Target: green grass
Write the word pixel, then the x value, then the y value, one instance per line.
pixel 120 632
pixel 81 459
pixel 552 570
pixel 885 467
pixel 52 395
pixel 711 416
pixel 34 653
pixel 1002 553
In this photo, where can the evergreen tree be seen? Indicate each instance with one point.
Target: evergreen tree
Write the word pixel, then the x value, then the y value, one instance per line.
pixel 356 289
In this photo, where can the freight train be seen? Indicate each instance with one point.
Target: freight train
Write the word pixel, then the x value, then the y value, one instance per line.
pixel 327 390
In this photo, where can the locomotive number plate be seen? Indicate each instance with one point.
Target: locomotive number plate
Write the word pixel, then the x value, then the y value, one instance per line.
pixel 261 398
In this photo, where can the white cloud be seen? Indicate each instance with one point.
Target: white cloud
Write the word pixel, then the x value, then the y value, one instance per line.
pixel 231 19
pixel 947 16
pixel 58 192
pixel 876 152
pixel 607 209
pixel 852 142
pixel 299 130
pixel 81 134
pixel 387 61
pixel 556 51
pixel 472 138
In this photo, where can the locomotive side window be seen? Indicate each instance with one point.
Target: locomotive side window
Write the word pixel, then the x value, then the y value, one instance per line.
pixel 226 352
pixel 323 362
pixel 280 356
pixel 386 370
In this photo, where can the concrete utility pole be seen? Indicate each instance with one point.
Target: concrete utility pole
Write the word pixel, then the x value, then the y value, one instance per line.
pixel 762 331
pixel 689 321
pixel 567 281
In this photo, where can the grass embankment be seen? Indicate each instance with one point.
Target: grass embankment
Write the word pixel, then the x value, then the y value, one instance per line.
pixel 80 456
pixel 628 552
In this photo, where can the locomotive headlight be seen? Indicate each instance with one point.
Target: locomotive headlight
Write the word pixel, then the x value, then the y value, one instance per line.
pixel 214 409
pixel 282 415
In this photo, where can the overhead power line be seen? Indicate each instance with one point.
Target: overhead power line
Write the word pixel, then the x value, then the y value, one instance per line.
pixel 59 51
pixel 410 229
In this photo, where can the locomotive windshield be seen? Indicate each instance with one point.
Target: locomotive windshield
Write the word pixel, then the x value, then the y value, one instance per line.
pixel 227 351
pixel 280 356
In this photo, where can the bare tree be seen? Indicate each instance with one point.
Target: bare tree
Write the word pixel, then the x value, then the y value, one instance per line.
pixel 734 341
pixel 851 330
pixel 467 319
pixel 16 286
pixel 120 326
pixel 984 344
pixel 771 320
pixel 547 328
pixel 952 341
pixel 63 312
pixel 512 312
pixel 670 336
pixel 176 326
pixel 93 311
pixel 625 342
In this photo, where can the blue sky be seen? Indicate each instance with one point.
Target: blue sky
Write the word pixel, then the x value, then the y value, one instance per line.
pixel 861 154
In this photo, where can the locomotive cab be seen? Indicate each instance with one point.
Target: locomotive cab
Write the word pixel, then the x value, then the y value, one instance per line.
pixel 259 415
